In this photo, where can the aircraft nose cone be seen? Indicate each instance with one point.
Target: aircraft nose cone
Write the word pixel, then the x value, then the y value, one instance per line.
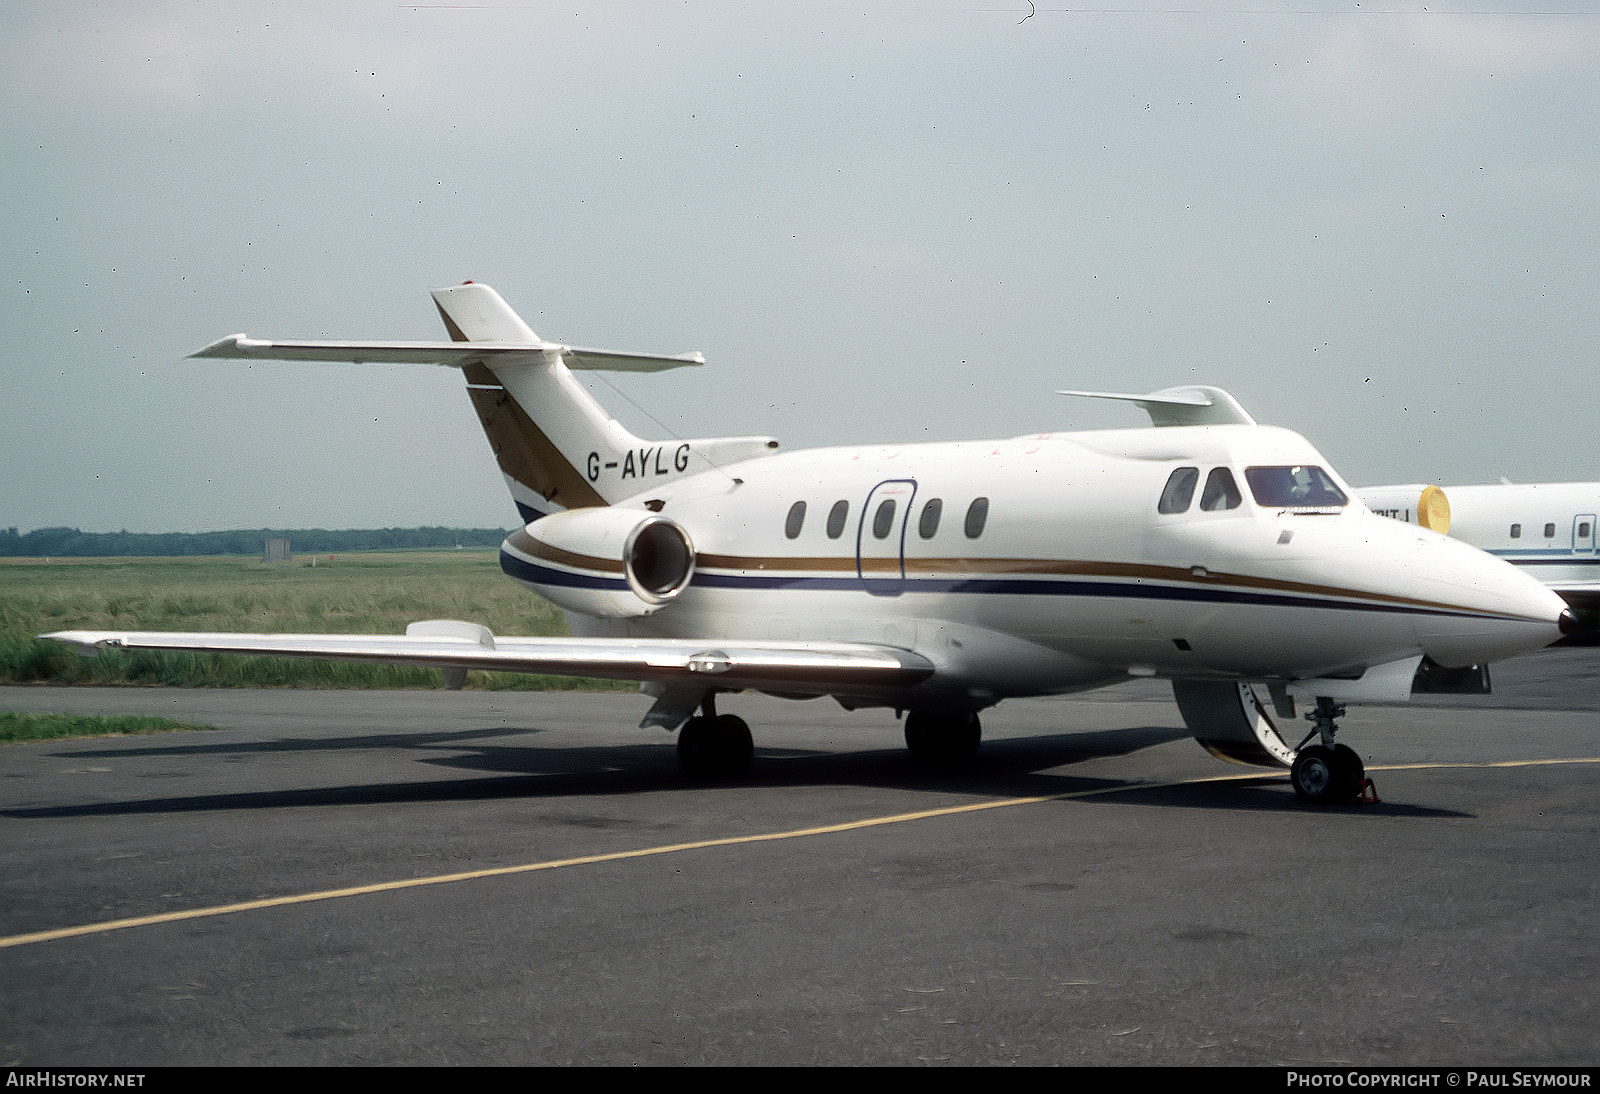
pixel 1569 622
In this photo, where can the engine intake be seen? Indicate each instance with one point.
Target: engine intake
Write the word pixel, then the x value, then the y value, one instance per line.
pixel 613 563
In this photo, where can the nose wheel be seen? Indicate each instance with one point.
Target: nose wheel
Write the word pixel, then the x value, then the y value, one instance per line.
pixel 1324 774
pixel 1327 772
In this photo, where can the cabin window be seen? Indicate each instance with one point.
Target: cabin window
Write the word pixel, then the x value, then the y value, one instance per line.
pixel 1294 488
pixel 1516 531
pixel 836 519
pixel 1179 491
pixel 1221 491
pixel 977 516
pixel 795 521
pixel 883 519
pixel 1583 530
pixel 928 523
pixel 1549 531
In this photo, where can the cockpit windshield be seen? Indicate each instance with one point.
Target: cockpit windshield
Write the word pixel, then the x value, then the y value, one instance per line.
pixel 1294 488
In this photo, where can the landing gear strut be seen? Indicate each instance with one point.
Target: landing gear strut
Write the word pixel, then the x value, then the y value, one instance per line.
pixel 1327 772
pixel 942 740
pixel 714 746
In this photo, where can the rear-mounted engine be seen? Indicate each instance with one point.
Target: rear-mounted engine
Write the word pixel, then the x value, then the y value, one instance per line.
pixel 614 563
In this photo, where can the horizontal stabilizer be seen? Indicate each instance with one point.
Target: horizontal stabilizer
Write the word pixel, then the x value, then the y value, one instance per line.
pixel 820 668
pixel 456 354
pixel 1182 405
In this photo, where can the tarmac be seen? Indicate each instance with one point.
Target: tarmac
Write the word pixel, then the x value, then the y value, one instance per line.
pixel 526 878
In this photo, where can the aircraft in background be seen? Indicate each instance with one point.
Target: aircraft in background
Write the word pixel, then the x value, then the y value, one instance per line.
pixel 1546 528
pixel 937 579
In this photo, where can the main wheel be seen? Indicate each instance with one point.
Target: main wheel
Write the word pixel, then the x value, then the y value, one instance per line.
pixel 1316 774
pixel 942 740
pixel 715 748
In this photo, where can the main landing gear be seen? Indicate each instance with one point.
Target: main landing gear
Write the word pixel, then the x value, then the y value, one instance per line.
pixel 1327 772
pixel 714 746
pixel 942 740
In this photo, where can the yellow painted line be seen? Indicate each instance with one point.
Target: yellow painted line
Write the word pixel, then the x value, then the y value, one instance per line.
pixel 1487 763
pixel 671 849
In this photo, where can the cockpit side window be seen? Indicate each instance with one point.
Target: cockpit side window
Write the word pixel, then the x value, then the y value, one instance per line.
pixel 1301 487
pixel 1221 491
pixel 1179 491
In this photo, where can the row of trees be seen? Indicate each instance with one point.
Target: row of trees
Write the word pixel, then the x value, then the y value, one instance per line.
pixel 71 543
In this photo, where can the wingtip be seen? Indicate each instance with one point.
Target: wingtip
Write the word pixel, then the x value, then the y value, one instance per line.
pixel 85 642
pixel 223 347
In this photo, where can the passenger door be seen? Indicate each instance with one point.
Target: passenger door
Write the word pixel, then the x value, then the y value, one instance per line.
pixel 1583 534
pixel 881 537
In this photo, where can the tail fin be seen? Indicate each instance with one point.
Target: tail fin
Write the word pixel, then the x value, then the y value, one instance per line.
pixel 541 465
pixel 476 313
pixel 556 446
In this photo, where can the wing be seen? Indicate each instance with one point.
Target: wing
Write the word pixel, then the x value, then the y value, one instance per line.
pixel 676 664
pixel 457 354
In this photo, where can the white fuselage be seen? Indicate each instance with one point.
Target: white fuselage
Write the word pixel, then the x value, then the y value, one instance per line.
pixel 1074 577
pixel 1547 528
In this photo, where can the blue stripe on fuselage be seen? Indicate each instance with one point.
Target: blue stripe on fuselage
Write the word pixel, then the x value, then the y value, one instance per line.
pixel 1068 587
pixel 535 574
pixel 523 570
pixel 528 513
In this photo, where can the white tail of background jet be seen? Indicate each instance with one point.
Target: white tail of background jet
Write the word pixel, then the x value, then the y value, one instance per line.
pixel 556 446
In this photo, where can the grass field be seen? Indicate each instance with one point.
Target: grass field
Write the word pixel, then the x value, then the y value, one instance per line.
pixel 354 594
pixel 15 728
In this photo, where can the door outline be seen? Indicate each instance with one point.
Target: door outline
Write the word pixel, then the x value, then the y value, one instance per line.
pixel 1585 545
pixel 874 579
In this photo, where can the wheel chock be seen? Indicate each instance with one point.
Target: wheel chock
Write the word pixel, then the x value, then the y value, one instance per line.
pixel 1367 793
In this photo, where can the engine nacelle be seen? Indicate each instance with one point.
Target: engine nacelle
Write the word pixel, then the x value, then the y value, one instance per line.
pixel 607 562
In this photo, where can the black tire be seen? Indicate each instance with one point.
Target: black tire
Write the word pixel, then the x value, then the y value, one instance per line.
pixel 1316 775
pixel 1349 769
pixel 715 748
pixel 942 741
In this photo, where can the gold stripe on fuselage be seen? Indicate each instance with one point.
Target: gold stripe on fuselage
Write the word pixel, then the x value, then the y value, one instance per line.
pixel 521 541
pixel 1049 567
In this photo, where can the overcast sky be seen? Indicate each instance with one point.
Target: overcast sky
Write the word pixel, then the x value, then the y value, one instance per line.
pixel 896 221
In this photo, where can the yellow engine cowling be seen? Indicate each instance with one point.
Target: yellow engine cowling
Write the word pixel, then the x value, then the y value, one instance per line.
pixel 1418 503
pixel 607 562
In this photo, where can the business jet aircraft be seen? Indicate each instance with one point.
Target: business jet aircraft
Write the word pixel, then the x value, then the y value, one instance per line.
pixel 1546 528
pixel 936 579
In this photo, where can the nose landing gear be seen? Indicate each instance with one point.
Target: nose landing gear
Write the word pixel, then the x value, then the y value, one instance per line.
pixel 1328 772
